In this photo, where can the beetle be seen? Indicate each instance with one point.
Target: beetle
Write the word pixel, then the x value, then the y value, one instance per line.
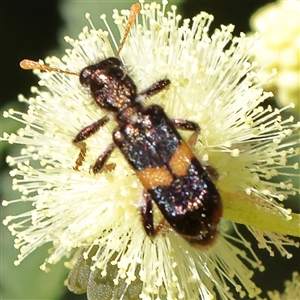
pixel 172 177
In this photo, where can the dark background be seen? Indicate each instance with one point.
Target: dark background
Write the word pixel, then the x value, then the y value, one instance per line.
pixel 28 29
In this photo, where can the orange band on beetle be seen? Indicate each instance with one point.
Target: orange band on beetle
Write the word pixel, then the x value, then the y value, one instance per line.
pixel 181 159
pixel 153 177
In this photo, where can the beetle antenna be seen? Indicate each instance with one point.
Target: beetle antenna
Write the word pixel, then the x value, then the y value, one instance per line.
pixel 28 64
pixel 134 10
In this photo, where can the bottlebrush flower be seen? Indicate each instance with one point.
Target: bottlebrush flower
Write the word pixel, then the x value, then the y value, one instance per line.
pixel 248 144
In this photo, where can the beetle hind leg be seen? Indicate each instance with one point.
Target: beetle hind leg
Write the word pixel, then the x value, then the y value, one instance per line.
pixel 147 214
pixel 147 217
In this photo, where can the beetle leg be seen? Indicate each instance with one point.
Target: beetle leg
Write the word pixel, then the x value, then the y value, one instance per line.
pixel 188 125
pixel 147 217
pixel 84 134
pixel 81 155
pixel 90 129
pixel 155 88
pixel 101 160
pixel 160 226
pixel 147 214
pixel 212 172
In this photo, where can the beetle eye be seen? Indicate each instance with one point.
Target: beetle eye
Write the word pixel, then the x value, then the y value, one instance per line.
pixel 85 76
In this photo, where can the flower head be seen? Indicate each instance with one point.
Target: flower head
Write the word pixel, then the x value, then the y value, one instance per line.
pixel 279 26
pixel 212 84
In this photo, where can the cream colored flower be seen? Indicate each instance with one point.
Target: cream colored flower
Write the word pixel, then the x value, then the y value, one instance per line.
pixel 278 24
pixel 212 83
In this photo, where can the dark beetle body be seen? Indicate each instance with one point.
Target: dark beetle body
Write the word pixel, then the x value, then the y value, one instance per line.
pixel 171 175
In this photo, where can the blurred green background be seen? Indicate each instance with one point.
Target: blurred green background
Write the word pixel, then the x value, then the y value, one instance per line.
pixel 34 29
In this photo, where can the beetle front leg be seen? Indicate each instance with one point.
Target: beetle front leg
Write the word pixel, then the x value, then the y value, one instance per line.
pixel 188 125
pixel 81 155
pixel 155 88
pixel 84 134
